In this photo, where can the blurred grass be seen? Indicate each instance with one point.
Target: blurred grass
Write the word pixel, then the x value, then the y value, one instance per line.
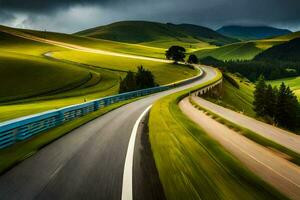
pixel 192 165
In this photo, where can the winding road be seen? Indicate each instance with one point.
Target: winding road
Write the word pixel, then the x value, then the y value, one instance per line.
pixel 78 47
pixel 280 136
pixel 99 160
pixel 87 163
pixel 277 171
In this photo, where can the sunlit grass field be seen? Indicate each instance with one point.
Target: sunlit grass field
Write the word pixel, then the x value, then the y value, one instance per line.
pixel 244 50
pixel 293 82
pixel 49 83
pixel 241 99
pixel 164 72
pixel 119 47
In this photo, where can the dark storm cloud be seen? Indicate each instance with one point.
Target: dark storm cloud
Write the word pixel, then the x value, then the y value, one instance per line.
pixel 212 13
pixel 45 5
pixel 6 16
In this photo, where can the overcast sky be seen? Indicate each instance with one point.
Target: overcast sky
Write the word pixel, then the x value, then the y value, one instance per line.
pixel 75 15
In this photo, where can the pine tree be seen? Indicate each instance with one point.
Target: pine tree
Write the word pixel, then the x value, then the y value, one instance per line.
pixel 291 109
pixel 270 101
pixel 281 105
pixel 259 102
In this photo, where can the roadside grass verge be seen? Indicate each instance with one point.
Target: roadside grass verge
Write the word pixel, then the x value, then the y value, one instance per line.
pixel 273 146
pixel 192 165
pixel 15 154
pixel 239 100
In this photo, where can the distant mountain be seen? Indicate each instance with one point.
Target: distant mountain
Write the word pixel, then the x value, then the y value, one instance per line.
pixel 289 51
pixel 143 32
pixel 252 32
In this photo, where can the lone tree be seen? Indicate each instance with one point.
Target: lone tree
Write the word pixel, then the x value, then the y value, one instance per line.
pixel 193 59
pixel 176 53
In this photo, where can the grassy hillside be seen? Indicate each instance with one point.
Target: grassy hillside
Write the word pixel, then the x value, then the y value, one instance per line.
pixel 164 72
pixel 237 51
pixel 39 83
pixel 237 99
pixel 288 51
pixel 23 76
pixel 252 32
pixel 245 50
pixel 151 33
pixel 101 44
pixel 294 84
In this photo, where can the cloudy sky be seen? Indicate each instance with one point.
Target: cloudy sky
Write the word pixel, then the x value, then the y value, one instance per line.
pixel 74 15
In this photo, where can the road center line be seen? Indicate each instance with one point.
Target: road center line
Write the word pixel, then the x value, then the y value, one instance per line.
pixel 127 188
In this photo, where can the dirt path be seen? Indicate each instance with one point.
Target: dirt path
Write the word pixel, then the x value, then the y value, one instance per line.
pixel 280 136
pixel 275 170
pixel 79 48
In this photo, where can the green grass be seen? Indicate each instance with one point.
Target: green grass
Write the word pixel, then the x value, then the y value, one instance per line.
pixel 158 34
pixel 20 151
pixel 240 100
pixel 119 47
pixel 53 83
pixel 244 50
pixel 293 82
pixel 237 51
pixel 293 156
pixel 164 73
pixel 26 76
pixel 199 166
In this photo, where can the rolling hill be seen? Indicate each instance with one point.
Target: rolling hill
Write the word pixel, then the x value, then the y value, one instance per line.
pixel 158 34
pixel 23 73
pixel 252 32
pixel 246 50
pixel 44 70
pixel 289 51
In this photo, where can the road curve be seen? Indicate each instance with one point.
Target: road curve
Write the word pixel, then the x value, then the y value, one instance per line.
pixel 80 48
pixel 280 136
pixel 87 163
pixel 282 174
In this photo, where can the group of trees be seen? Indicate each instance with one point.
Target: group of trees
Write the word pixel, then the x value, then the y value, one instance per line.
pixel 252 69
pixel 281 105
pixel 177 53
pixel 136 81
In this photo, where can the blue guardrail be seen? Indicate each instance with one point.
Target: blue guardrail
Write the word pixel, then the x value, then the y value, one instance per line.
pixel 23 128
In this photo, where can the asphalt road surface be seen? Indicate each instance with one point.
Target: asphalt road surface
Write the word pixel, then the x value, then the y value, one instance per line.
pixel 88 162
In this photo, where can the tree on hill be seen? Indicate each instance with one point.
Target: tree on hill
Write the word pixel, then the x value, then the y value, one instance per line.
pixel 141 80
pixel 193 59
pixel 176 53
pixel 128 83
pixel 271 101
pixel 144 78
pixel 259 97
pixel 281 105
pixel 287 108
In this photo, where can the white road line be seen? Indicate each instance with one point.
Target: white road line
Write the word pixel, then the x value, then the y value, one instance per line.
pixel 127 189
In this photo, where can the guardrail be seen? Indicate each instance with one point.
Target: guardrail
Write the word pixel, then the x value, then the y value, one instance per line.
pixel 23 128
